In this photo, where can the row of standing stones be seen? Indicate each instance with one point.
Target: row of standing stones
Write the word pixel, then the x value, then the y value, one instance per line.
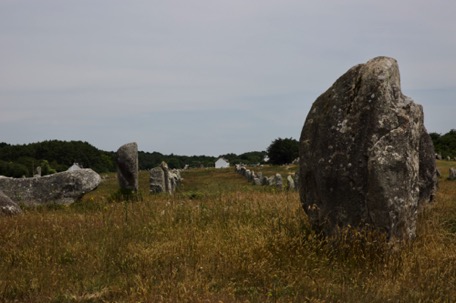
pixel 257 178
pixel 448 158
pixel 162 179
pixel 366 160
pixel 69 186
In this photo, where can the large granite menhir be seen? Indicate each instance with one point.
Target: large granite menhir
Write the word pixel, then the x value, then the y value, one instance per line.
pixel 62 188
pixel 365 155
pixel 127 166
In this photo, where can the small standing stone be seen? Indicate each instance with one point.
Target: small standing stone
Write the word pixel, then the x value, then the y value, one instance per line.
pixel 168 180
pixel 296 181
pixel 38 172
pixel 452 174
pixel 278 181
pixel 248 174
pixel 290 183
pixel 437 173
pixel 157 180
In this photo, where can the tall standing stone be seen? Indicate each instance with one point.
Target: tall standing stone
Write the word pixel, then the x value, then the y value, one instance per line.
pixel 365 155
pixel 127 166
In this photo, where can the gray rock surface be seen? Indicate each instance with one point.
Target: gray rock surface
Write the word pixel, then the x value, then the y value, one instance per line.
pixel 452 174
pixel 438 173
pixel 290 183
pixel 248 174
pixel 157 180
pixel 256 181
pixel 127 166
pixel 162 179
pixel 62 188
pixel 278 181
pixel 73 167
pixel 296 181
pixel 8 206
pixel 365 155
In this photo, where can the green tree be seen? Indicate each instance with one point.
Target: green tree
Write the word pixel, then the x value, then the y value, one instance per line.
pixel 46 168
pixel 283 151
pixel 174 162
pixel 11 169
pixel 445 145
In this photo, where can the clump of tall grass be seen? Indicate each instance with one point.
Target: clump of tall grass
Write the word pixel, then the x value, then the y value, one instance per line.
pixel 125 195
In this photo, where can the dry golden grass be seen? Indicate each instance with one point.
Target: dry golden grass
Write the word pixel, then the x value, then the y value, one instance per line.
pixel 219 239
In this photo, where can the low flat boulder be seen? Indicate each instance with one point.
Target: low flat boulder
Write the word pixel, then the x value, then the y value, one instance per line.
pixel 61 188
pixel 8 206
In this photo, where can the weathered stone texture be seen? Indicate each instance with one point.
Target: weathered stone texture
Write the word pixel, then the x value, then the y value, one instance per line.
pixel 62 188
pixel 162 179
pixel 290 183
pixel 452 174
pixel 278 181
pixel 157 180
pixel 127 166
pixel 8 206
pixel 365 155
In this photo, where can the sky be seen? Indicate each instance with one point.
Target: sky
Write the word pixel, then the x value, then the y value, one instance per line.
pixel 207 77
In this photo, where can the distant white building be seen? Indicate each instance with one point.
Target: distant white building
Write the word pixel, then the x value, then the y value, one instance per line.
pixel 222 163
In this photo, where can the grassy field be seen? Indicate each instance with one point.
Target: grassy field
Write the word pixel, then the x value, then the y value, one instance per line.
pixel 219 239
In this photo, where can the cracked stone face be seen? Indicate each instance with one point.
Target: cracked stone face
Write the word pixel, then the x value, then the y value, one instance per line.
pixel 365 155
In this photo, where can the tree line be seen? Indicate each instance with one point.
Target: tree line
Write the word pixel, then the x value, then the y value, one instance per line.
pixel 56 156
pixel 52 156
pixel 445 145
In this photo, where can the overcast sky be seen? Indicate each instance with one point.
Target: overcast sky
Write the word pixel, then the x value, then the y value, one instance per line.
pixel 207 77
